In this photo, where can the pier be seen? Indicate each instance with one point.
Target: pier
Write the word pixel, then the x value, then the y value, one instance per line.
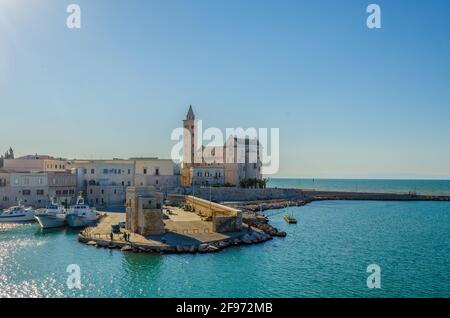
pixel 186 232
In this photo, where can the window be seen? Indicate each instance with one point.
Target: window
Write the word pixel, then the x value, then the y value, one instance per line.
pixel 105 171
pixel 26 192
pixel 129 171
pixel 129 183
pixel 145 170
pixel 157 181
pixel 103 191
pixel 92 171
pixel 65 192
pixel 90 191
pixel 85 171
pixel 115 191
pixel 40 192
pixel 156 171
pixel 123 183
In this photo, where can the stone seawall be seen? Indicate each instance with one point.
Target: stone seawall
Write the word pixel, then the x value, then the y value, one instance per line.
pixel 231 194
pixel 228 194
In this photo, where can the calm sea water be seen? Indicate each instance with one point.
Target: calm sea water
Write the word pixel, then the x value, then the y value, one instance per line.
pixel 438 187
pixel 325 255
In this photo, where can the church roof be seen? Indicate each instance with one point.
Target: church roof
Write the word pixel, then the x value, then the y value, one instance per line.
pixel 190 115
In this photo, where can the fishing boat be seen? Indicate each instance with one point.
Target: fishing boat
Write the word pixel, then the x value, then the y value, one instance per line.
pixel 54 215
pixel 290 219
pixel 80 214
pixel 17 213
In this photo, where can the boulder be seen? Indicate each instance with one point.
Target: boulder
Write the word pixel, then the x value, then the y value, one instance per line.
pixel 212 248
pixel 224 244
pixel 126 248
pixel 247 239
pixel 236 241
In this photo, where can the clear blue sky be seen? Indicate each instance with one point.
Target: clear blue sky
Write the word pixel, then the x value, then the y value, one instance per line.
pixel 350 102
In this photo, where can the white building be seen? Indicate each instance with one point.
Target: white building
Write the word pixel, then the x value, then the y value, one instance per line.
pixel 36 163
pixel 36 188
pixel 104 182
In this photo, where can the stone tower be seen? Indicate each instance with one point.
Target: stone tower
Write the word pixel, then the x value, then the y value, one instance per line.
pixel 144 211
pixel 189 146
pixel 189 138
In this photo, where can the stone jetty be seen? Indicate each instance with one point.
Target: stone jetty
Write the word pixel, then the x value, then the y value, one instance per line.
pixel 193 239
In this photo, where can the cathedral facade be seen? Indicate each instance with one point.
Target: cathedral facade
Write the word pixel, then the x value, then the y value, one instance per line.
pixel 236 160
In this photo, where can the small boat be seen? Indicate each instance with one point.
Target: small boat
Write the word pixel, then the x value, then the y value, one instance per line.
pixel 17 213
pixel 80 214
pixel 53 216
pixel 290 219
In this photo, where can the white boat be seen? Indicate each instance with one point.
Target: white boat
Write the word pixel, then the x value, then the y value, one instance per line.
pixel 54 215
pixel 17 214
pixel 80 214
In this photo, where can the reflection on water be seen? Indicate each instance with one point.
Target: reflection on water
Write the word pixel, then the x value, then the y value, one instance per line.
pixel 325 255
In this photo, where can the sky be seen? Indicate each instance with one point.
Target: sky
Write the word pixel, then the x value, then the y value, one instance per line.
pixel 350 102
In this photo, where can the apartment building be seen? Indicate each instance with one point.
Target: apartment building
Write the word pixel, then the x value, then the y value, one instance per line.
pixel 104 182
pixel 36 163
pixel 36 188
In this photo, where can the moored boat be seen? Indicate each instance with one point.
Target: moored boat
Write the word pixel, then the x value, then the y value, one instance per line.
pixel 290 219
pixel 17 213
pixel 53 216
pixel 80 214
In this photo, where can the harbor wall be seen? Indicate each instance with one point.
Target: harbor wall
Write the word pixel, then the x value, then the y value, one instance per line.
pixel 229 194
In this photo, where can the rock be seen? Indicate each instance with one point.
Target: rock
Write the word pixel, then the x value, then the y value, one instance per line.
pixel 102 244
pixel 170 249
pixel 246 239
pixel 281 234
pixel 192 249
pixel 212 248
pixel 224 244
pixel 180 249
pixel 236 241
pixel 91 243
pixel 203 248
pixel 126 248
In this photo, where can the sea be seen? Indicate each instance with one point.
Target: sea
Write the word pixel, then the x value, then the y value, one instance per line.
pixel 330 252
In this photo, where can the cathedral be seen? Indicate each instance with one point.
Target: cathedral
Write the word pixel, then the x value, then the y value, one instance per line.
pixel 238 159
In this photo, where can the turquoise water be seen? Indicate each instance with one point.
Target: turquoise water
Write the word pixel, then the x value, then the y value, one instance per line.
pixel 438 187
pixel 325 255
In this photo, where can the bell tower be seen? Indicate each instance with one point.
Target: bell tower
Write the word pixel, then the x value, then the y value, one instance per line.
pixel 189 138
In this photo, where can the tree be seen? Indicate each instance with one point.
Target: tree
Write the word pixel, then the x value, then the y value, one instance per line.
pixel 9 154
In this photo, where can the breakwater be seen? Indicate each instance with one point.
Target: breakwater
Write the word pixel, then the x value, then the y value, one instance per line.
pixel 297 197
pixel 231 195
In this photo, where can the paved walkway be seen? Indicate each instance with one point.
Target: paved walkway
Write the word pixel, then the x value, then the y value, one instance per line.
pixel 184 228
